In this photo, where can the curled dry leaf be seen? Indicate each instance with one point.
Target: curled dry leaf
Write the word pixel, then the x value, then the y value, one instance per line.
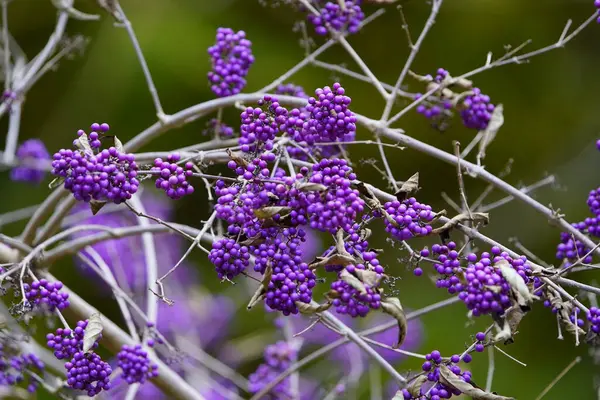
pixel 239 160
pixel 369 278
pixel 414 387
pixel 476 217
pixel 353 281
pixel 518 286
pixel 119 145
pixel 259 294
pixel 409 187
pixel 312 308
pixel 335 259
pixel 270 212
pixel 56 182
pixel 311 187
pixel 449 379
pixel 490 132
pixel 503 332
pixel 93 331
pixel 83 144
pixel 96 205
pixel 392 306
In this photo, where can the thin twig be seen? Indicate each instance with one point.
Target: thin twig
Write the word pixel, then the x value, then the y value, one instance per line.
pixel 558 377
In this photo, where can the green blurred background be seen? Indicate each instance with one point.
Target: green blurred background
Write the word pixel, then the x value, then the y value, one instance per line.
pixel 551 108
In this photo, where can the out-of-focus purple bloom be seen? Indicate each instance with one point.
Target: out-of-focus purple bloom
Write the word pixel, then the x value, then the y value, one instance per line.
pixel 125 256
pixel 33 158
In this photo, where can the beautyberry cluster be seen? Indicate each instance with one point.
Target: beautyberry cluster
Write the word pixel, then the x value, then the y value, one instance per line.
pixel 33 159
pixel 437 109
pixel 66 342
pixel 87 372
pixel 290 89
pixel 593 317
pixel 288 285
pixel 407 219
pixel 90 173
pixel 338 206
pixel 349 300
pixel 14 368
pixel 477 110
pixel 571 249
pixel 231 58
pixel 172 178
pixel 597 5
pixel 215 126
pixel 135 364
pixel 344 19
pixel 229 258
pixel 432 368
pixel 278 357
pixel 46 293
pixel 261 124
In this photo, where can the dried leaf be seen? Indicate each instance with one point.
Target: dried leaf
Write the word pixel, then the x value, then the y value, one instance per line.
pixel 253 241
pixel 311 187
pixel 399 395
pixel 119 145
pixel 262 289
pixel 239 160
pixel 414 388
pixel 270 212
pixel 83 144
pixel 56 182
pixel 519 288
pixel 353 281
pixel 514 317
pixel 96 206
pixel 502 326
pixel 92 333
pixel 312 308
pixel 490 132
pixel 448 378
pixel 477 217
pixel 409 187
pixel 392 306
pixel 369 278
pixel 335 259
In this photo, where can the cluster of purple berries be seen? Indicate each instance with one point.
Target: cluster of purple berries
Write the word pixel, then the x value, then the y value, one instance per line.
pixel 349 300
pixel 477 110
pixel 480 346
pixel 90 173
pixel 344 19
pixel 597 5
pixel 47 294
pixel 172 178
pixel 437 390
pixel 231 58
pixel 278 357
pixel 435 111
pixel 88 372
pixel 410 218
pixel 66 342
pixel 289 89
pixel 340 204
pixel 359 247
pixel 288 285
pixel 14 367
pixel 481 285
pixel 260 125
pixel 216 126
pixel 229 258
pixel 593 317
pixel 135 364
pixel 33 159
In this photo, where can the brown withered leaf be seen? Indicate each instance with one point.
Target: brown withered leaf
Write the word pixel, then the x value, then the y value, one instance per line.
pixel 414 387
pixel 409 187
pixel 253 241
pixel 96 206
pixel 239 160
pixel 312 308
pixel 353 281
pixel 311 187
pixel 490 132
pixel 335 259
pixel 392 306
pixel 270 212
pixel 369 278
pixel 448 378
pixel 477 217
pixel 259 294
